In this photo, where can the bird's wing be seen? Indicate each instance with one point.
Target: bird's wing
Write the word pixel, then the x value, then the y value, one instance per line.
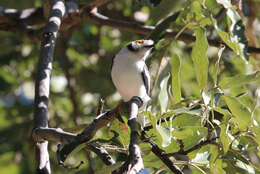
pixel 146 79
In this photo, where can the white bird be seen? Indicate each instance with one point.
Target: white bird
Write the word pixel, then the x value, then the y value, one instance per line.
pixel 129 72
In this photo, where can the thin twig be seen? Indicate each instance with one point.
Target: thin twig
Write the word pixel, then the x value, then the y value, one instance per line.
pixel 100 106
pixel 198 146
pixel 161 154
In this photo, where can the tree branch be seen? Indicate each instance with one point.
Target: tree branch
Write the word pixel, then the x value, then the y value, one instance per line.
pixel 134 163
pixel 101 152
pixel 42 82
pixel 53 134
pixel 161 154
pixel 198 146
pixel 87 134
pixel 90 14
pixel 20 21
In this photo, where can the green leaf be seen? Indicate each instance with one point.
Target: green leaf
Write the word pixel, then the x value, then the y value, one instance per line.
pixel 216 67
pixel 108 169
pixel 241 113
pixel 165 133
pixel 239 80
pixel 225 140
pixel 201 158
pixel 176 84
pixel 199 57
pixel 217 167
pixel 163 95
pixel 236 38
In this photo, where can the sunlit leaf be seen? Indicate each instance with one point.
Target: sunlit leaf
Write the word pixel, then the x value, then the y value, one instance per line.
pixel 239 80
pixel 206 97
pixel 217 167
pixel 165 133
pixel 236 39
pixel 108 169
pixel 201 158
pixel 225 140
pixel 216 67
pixel 163 95
pixel 176 83
pixel 199 57
pixel 241 113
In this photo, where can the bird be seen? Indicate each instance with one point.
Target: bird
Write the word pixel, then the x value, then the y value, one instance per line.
pixel 129 72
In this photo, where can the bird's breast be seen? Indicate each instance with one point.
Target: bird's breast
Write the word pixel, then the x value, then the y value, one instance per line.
pixel 127 78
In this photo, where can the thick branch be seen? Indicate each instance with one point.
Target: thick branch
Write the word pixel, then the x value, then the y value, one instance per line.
pixel 42 82
pixel 87 134
pixel 58 135
pixel 134 163
pixel 31 16
pixel 20 21
pixel 53 134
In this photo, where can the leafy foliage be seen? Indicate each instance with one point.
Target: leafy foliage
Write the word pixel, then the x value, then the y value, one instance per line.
pixel 205 108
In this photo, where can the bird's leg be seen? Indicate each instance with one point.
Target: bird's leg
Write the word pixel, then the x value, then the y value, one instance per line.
pixel 121 121
pixel 118 106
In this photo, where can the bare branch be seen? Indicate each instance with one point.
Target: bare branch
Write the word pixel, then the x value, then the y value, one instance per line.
pixel 87 134
pixel 20 21
pixel 31 16
pixel 101 153
pixel 161 154
pixel 198 146
pixel 53 134
pixel 91 15
pixel 42 83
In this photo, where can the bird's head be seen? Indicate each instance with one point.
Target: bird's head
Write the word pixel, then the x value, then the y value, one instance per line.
pixel 139 49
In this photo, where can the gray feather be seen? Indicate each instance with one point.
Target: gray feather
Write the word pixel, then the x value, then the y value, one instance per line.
pixel 146 79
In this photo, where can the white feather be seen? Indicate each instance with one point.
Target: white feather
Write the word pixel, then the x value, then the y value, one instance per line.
pixel 127 75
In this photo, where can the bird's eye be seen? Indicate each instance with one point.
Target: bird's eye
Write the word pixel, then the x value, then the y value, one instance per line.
pixel 139 42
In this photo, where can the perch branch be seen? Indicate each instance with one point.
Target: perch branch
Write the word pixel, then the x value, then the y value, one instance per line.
pixel 58 135
pixel 87 134
pixel 134 163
